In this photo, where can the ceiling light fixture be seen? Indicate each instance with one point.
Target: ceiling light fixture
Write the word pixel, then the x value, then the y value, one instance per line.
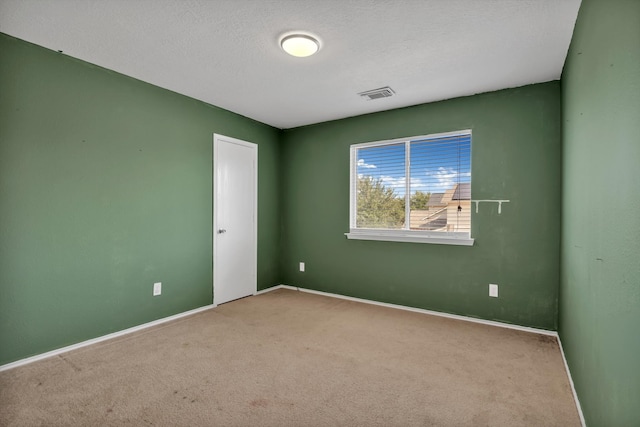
pixel 300 45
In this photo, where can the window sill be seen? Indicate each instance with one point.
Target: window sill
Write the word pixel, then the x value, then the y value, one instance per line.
pixel 411 237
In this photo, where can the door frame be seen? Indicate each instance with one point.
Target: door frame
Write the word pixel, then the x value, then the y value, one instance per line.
pixel 217 140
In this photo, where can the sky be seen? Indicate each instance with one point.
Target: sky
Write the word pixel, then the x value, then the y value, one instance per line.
pixel 434 164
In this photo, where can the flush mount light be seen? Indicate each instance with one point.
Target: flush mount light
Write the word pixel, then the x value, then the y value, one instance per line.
pixel 300 45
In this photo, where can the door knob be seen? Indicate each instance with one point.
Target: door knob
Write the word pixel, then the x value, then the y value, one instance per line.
pixel 221 230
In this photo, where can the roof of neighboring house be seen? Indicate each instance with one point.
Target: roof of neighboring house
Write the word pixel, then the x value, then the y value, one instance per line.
pixel 436 199
pixel 458 190
pixel 464 190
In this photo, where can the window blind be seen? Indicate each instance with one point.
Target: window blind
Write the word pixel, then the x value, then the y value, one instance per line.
pixel 421 184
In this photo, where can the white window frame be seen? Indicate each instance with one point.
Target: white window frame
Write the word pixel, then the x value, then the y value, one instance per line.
pixel 462 238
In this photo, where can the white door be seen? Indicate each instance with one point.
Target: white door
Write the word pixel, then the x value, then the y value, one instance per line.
pixel 235 240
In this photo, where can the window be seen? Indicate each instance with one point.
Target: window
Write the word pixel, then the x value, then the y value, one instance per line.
pixel 412 189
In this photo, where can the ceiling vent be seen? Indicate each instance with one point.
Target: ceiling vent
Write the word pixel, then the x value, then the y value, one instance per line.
pixel 383 92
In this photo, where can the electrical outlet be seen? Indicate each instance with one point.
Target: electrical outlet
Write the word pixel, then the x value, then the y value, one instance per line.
pixel 157 289
pixel 302 266
pixel 493 290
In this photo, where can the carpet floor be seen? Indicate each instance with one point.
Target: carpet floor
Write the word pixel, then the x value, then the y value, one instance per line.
pixel 288 358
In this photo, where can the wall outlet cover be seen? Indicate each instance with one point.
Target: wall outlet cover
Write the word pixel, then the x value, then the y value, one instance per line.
pixel 302 266
pixel 157 289
pixel 493 290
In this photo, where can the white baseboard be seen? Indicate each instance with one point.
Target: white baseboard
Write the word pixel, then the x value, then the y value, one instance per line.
pixel 573 388
pixel 451 316
pixel 418 310
pixel 58 351
pixel 273 288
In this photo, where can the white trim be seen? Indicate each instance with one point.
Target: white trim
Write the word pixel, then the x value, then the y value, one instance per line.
pixel 407 185
pixel 413 138
pixel 417 310
pixel 273 288
pixel 408 236
pixel 97 340
pixel 254 147
pixel 573 388
pixel 353 178
pixel 405 234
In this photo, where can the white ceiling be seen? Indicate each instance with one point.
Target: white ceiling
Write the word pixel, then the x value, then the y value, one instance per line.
pixel 226 52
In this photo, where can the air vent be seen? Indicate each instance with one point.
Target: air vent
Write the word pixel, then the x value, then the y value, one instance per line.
pixel 383 92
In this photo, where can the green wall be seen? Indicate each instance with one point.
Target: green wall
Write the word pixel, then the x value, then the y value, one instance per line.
pixel 516 152
pixel 105 188
pixel 600 281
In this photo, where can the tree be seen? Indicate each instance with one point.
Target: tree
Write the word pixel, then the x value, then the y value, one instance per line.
pixel 420 200
pixel 377 205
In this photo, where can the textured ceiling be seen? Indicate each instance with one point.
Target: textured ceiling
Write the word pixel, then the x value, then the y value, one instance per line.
pixel 226 52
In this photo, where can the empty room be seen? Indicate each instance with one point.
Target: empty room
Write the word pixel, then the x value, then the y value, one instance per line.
pixel 320 213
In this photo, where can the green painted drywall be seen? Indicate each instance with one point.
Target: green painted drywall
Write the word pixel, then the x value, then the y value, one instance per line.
pixel 515 155
pixel 105 188
pixel 600 270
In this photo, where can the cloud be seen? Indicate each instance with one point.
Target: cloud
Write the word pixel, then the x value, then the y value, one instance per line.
pixel 443 179
pixel 362 164
pixel 390 181
pixel 398 183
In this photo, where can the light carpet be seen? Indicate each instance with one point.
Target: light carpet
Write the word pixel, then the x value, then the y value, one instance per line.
pixel 288 358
